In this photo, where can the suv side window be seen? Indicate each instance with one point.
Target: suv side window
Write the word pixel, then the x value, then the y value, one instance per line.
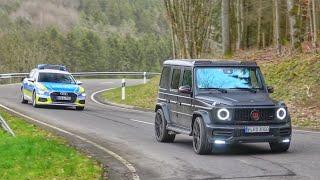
pixel 175 79
pixel 187 78
pixel 164 81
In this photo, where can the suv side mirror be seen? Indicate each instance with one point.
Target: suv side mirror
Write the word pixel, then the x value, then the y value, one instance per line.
pixel 270 89
pixel 79 83
pixel 185 89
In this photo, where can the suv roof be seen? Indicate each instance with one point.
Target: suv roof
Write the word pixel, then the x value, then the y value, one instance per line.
pixel 209 62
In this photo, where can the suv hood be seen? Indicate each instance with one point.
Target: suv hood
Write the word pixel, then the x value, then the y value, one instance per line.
pixel 59 87
pixel 238 99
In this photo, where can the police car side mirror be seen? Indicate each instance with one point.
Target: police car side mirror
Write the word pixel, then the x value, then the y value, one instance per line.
pixel 185 89
pixel 270 89
pixel 31 80
pixel 79 83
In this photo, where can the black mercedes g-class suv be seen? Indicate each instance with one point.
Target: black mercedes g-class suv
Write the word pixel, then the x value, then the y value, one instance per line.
pixel 219 102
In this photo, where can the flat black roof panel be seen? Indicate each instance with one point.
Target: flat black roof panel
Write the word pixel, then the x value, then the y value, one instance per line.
pixel 209 62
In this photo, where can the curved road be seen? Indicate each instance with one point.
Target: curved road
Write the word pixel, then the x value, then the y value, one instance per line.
pixel 129 133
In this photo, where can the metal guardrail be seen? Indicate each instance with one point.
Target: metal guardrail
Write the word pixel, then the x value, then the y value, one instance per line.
pixel 20 75
pixel 5 126
pixel 10 76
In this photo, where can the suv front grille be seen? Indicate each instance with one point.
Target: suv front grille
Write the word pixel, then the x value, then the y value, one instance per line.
pixel 54 95
pixel 242 114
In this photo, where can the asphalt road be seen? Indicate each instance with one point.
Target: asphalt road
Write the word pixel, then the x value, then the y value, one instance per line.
pixel 129 133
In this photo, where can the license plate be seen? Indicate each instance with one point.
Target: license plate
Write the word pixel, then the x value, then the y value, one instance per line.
pixel 256 129
pixel 63 98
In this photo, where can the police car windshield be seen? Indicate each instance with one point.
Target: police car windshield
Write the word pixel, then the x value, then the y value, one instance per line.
pixel 237 78
pixel 56 78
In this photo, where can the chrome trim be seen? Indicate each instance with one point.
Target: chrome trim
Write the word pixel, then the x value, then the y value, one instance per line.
pixel 182 113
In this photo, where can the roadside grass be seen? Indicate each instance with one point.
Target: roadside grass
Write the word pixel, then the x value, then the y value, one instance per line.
pixel 37 154
pixel 143 96
pixel 296 81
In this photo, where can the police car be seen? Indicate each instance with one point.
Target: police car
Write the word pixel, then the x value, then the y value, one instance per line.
pixel 52 85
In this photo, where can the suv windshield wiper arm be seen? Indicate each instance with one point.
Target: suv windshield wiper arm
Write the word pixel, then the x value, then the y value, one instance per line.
pixel 218 89
pixel 246 89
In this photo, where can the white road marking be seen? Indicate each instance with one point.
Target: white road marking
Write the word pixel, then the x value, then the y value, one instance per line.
pixel 107 83
pixel 141 121
pixel 94 100
pixel 131 168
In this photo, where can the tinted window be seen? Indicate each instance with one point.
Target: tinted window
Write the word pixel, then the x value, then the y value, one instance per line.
pixel 56 78
pixel 175 79
pixel 187 78
pixel 228 78
pixel 165 77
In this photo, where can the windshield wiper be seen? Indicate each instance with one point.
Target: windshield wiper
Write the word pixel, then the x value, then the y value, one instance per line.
pixel 218 89
pixel 246 89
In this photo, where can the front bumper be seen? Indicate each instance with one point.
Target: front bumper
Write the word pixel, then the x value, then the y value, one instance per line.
pixel 47 100
pixel 235 134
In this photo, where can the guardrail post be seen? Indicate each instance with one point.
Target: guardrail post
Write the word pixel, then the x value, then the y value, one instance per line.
pixel 144 77
pixel 5 126
pixel 123 89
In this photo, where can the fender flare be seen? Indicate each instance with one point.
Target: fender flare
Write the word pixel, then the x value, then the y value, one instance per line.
pixel 165 110
pixel 205 115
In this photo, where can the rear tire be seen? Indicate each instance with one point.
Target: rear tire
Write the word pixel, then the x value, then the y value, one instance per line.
pixel 79 108
pixel 277 147
pixel 161 132
pixel 200 141
pixel 23 100
pixel 34 101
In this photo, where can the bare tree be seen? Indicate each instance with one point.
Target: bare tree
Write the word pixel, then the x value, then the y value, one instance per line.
pixel 225 16
pixel 259 24
pixel 190 22
pixel 292 14
pixel 277 26
pixel 239 9
pixel 314 17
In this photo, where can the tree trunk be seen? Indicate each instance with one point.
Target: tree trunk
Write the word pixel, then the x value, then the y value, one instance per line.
pixel 294 36
pixel 277 26
pixel 225 16
pixel 314 17
pixel 239 15
pixel 259 24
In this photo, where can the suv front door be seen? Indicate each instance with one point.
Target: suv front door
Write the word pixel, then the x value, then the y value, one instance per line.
pixel 184 106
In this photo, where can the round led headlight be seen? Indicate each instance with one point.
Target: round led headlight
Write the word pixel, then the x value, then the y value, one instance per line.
pixel 223 114
pixel 281 113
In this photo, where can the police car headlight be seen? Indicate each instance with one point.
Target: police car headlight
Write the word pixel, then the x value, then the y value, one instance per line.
pixel 42 92
pixel 281 113
pixel 83 94
pixel 223 114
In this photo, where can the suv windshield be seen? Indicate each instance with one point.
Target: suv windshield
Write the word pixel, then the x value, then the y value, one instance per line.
pixel 222 78
pixel 56 78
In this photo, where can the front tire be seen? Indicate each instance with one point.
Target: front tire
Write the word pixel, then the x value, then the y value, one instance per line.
pixel 277 147
pixel 161 132
pixel 34 101
pixel 23 100
pixel 79 108
pixel 200 141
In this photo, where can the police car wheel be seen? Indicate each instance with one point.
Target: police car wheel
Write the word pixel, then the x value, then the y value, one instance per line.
pixel 80 108
pixel 34 102
pixel 23 100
